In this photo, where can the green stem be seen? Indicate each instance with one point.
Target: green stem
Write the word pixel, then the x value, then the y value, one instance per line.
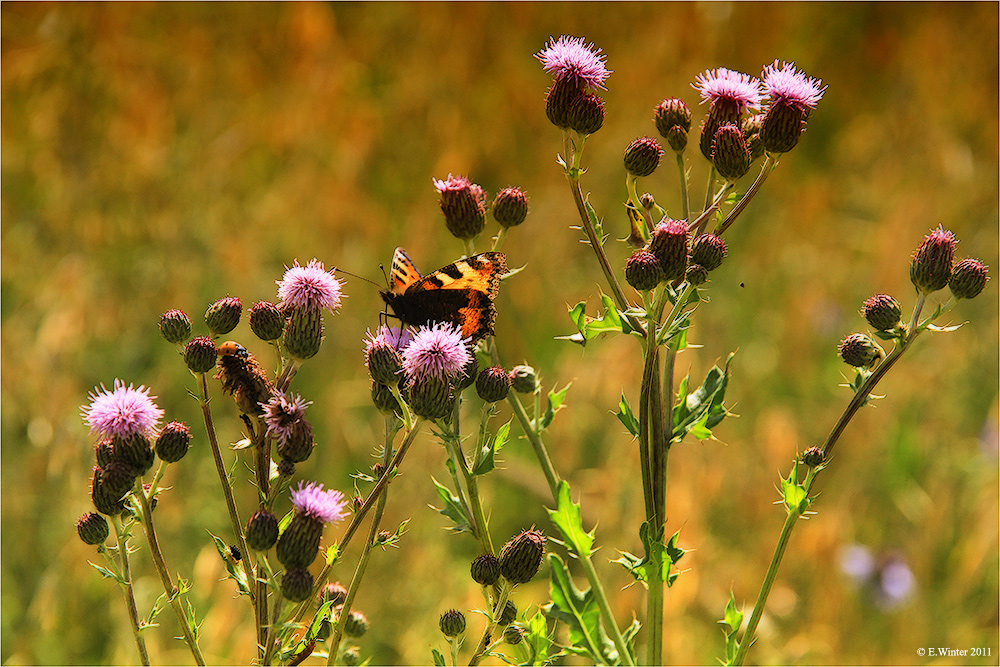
pixel 765 170
pixel 685 201
pixel 161 569
pixel 541 453
pixel 129 592
pixel 708 188
pixel 610 625
pixel 633 195
pixel 491 627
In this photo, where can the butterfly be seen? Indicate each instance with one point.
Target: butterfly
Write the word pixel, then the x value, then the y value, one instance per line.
pixel 461 293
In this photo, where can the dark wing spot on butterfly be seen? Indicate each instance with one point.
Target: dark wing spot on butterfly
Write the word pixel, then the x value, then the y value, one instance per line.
pixel 452 271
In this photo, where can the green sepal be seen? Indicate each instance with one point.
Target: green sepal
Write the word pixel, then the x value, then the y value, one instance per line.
pixel 579 611
pixel 566 518
pixel 627 417
pixel 793 493
pixel 453 509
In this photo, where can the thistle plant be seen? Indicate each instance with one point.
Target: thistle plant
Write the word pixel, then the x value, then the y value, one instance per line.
pixel 448 378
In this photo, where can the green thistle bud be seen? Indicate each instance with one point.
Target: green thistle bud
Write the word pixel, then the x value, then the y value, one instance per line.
pixel 642 271
pixel 431 397
pixel 469 374
pixel 521 557
pixel 356 624
pixel 696 274
pixel 859 350
pixel 510 207
pixel 452 623
pixel 297 584
pixel 586 113
pixel 104 452
pixel 558 101
pixel 673 122
pixel 200 354
pixel 286 468
pixel 669 244
pixel 384 400
pixel 968 279
pixel 173 442
pixel 175 326
pixel 262 530
pixel 299 444
pixel 882 312
pixel 92 528
pixel 721 111
pixel 509 613
pixel 642 156
pixel 110 485
pixel 812 457
pixel 463 204
pixel 930 267
pixel 513 635
pixel 751 134
pixel 136 451
pixel 304 333
pixel 493 384
pixel 266 321
pixel 523 379
pixel 384 362
pixel 708 250
pixel 299 544
pixel 223 315
pixel 782 126
pixel 485 569
pixel 730 154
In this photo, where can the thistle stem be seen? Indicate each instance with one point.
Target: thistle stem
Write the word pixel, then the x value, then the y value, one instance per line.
pixel 765 170
pixel 129 592
pixel 685 200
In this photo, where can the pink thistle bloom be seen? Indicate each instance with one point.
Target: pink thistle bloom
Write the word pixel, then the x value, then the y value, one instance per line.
pixel 395 337
pixel 282 413
pixel 571 59
pixel 309 288
pixel 724 85
pixel 792 87
pixel 122 412
pixel 324 506
pixel 437 350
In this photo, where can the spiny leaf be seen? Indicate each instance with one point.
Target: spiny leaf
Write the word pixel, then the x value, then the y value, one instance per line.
pixel 578 610
pixel 627 417
pixel 566 518
pixel 554 404
pixel 452 509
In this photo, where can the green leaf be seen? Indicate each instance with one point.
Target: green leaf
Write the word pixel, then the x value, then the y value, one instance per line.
pixel 438 658
pixel 595 221
pixel 578 610
pixel 588 328
pixel 538 642
pixel 566 518
pixel 453 509
pixel 627 417
pixel 658 554
pixel 554 404
pixel 701 410
pixel 732 619
pixel 793 493
pixel 493 445
pixel 235 573
pixel 108 574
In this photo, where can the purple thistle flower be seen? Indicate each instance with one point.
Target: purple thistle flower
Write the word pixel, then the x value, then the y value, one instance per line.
pixel 572 59
pixel 309 288
pixel 396 337
pixel 437 350
pixel 791 87
pixel 725 85
pixel 122 412
pixel 324 506
pixel 282 413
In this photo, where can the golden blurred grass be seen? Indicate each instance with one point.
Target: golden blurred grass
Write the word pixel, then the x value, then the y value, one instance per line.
pixel 164 155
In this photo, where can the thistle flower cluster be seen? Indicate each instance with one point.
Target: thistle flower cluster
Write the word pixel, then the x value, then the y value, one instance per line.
pixel 304 292
pixel 464 206
pixel 298 545
pixel 577 69
pixel 284 415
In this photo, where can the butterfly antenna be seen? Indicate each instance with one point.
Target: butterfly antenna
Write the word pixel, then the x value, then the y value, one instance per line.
pixel 354 275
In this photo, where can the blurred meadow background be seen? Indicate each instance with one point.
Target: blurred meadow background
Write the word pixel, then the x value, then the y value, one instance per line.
pixel 161 156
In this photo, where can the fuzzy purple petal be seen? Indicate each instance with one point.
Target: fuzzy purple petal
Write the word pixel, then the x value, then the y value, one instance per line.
pixel 122 412
pixel 326 506
pixel 437 350
pixel 786 85
pixel 572 59
pixel 726 85
pixel 310 288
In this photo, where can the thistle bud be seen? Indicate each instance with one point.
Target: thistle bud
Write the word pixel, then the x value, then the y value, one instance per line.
pixel 521 557
pixel 298 444
pixel 523 379
pixel 721 111
pixel 669 244
pixel 200 354
pixel 92 528
pixel 558 101
pixel 266 321
pixel 513 635
pixel 286 468
pixel 485 569
pixel 751 134
pixel 642 271
pixel 968 279
pixel 452 623
pixel 299 544
pixel 673 122
pixel 469 374
pixel 431 397
pixel 384 400
pixel 812 457
pixel 730 154
pixel 175 326
pixel 297 584
pixel 509 613
pixel 493 384
pixel 384 362
pixel 696 274
pixel 173 442
pixel 333 592
pixel 223 315
pixel 110 485
pixel 262 530
pixel 351 656
pixel 510 207
pixel 304 333
pixel 586 113
pixel 930 267
pixel 882 312
pixel 136 451
pixel 859 350
pixel 463 204
pixel 356 624
pixel 642 156
pixel 708 250
pixel 104 452
pixel 782 126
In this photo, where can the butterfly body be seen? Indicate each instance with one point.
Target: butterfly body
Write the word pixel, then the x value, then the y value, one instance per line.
pixel 461 293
